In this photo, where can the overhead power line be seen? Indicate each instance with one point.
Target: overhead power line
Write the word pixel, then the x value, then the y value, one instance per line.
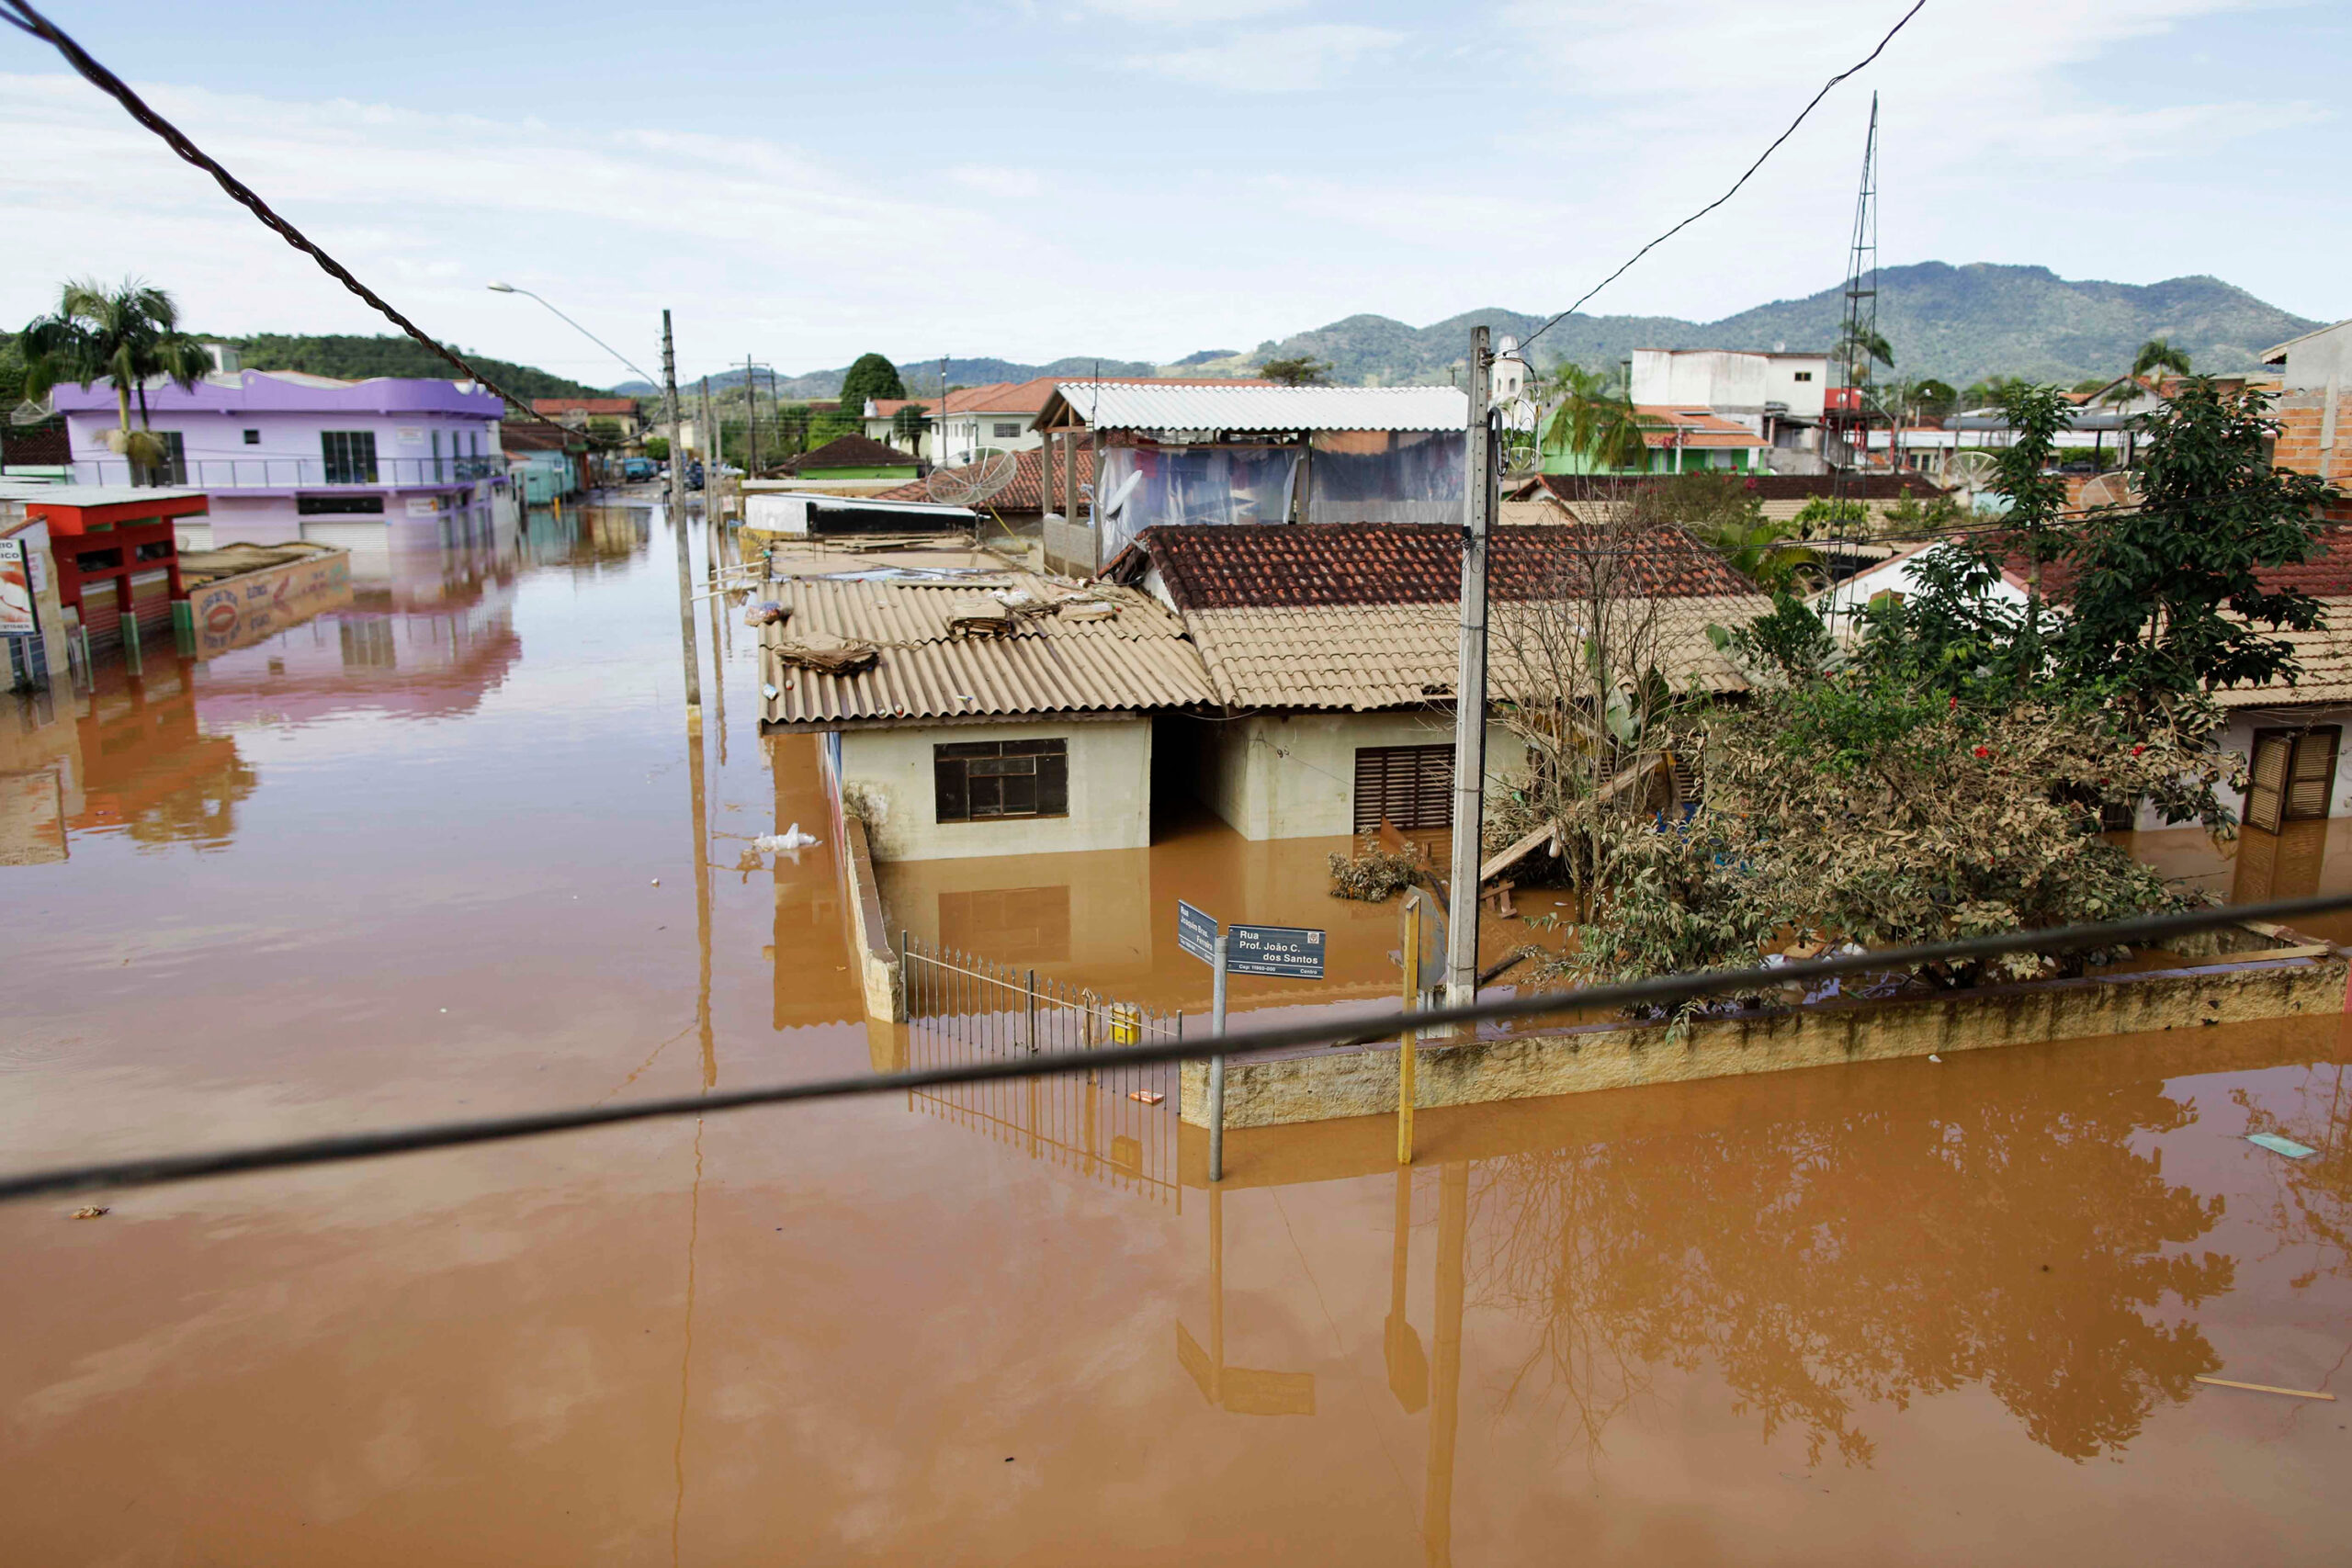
pixel 28 21
pixel 1760 157
pixel 155 1171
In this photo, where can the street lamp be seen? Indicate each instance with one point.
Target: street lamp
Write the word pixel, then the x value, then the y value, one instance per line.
pixel 584 331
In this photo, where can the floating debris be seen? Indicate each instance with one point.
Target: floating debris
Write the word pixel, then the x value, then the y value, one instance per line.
pixel 2279 1145
pixel 1147 1096
pixel 2266 1388
pixel 94 1211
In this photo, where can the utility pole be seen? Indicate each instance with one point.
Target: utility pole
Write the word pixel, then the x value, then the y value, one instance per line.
pixel 678 528
pixel 752 418
pixel 1470 689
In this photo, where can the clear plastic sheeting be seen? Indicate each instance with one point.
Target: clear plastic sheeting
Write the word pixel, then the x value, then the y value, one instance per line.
pixel 1386 475
pixel 1145 487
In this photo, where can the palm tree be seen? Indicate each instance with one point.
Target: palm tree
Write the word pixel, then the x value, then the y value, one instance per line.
pixel 2158 354
pixel 1859 346
pixel 1595 420
pixel 128 335
pixel 1761 550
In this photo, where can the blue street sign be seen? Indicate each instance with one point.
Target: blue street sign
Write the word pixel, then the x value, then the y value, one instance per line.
pixel 1292 951
pixel 1195 932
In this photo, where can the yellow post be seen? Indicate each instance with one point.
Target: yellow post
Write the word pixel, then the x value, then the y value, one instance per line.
pixel 1405 1063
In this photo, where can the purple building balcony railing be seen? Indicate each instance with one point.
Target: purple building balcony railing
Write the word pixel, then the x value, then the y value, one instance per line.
pixel 290 473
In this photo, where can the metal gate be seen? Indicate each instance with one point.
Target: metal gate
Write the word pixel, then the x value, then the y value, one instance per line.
pixel 1112 1124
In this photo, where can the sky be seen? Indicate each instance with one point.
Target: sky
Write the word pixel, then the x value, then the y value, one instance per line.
pixel 1142 179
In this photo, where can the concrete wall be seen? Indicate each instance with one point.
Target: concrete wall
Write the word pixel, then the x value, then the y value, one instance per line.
pixel 1269 1092
pixel 1293 775
pixel 1110 790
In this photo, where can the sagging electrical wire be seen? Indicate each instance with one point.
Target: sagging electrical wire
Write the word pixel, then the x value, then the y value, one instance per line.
pixel 1736 184
pixel 26 19
pixel 156 1170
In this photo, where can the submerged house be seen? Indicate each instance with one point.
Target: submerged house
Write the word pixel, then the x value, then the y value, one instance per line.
pixel 1297 681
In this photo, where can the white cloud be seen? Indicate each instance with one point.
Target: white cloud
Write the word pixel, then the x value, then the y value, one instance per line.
pixel 1186 13
pixel 1273 59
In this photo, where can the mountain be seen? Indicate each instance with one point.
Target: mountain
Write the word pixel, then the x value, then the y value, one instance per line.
pixel 1960 324
pixel 358 357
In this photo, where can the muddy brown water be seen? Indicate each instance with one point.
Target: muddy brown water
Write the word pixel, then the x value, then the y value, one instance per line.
pixel 399 863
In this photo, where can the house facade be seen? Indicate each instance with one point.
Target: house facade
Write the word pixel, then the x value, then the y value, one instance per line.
pixel 287 456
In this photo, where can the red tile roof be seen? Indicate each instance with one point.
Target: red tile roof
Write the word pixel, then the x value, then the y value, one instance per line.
pixel 851 452
pixel 1671 424
pixel 584 405
pixel 2327 575
pixel 1764 487
pixel 1029 397
pixel 1027 493
pixel 1216 568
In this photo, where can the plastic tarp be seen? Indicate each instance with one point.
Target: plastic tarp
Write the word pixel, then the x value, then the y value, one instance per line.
pixel 1145 487
pixel 1386 475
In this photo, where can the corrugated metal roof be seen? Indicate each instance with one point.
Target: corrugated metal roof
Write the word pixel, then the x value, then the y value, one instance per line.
pixel 1362 657
pixel 1112 405
pixel 1139 659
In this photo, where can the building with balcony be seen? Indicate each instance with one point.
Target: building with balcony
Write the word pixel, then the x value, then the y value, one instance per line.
pixel 286 456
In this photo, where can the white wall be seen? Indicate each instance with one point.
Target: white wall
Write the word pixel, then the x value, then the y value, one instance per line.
pixel 1294 776
pixel 2238 735
pixel 2325 357
pixel 1110 790
pixel 1806 397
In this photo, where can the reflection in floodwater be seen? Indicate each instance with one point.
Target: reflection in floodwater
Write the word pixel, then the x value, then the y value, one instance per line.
pixel 1825 1266
pixel 2309 1214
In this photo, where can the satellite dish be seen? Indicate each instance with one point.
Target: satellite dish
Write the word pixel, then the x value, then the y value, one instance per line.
pixel 979 476
pixel 1971 471
pixel 31 412
pixel 2112 490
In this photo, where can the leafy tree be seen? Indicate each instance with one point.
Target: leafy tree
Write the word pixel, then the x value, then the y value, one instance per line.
pixel 356 358
pixel 1596 421
pixel 658 448
pixel 1823 512
pixel 2036 496
pixel 1724 513
pixel 1300 371
pixel 2167 591
pixel 871 377
pixel 127 335
pixel 1932 398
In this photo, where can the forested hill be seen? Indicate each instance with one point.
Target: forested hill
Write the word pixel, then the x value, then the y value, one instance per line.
pixel 357 358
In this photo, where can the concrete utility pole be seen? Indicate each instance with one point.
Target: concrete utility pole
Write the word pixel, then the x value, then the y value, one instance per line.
pixel 678 528
pixel 1470 690
pixel 752 414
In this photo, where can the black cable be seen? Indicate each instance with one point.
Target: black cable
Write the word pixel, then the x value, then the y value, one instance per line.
pixel 1743 179
pixel 40 26
pixel 155 1170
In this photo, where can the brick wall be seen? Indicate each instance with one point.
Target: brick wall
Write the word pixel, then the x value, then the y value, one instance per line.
pixel 2301 417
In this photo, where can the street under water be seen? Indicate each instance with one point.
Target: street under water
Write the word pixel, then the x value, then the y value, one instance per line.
pixel 447 851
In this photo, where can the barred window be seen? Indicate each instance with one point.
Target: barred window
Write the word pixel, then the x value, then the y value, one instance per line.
pixel 978 781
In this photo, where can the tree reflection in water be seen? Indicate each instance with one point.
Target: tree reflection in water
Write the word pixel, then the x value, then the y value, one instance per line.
pixel 2310 1206
pixel 1820 1266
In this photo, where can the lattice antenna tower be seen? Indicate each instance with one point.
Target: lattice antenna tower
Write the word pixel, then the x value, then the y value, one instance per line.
pixel 1860 325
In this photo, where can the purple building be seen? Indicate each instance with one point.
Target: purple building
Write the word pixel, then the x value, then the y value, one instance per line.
pixel 369 465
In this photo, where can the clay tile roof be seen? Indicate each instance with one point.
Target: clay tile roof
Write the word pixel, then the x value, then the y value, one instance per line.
pixel 1218 568
pixel 584 405
pixel 1027 490
pixel 851 452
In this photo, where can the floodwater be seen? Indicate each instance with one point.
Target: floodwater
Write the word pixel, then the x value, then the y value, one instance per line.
pixel 447 851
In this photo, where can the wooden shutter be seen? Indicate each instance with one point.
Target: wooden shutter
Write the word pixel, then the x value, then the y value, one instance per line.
pixel 2265 800
pixel 2312 783
pixel 1410 787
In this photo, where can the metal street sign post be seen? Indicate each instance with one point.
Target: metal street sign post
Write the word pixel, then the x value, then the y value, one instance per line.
pixel 1295 952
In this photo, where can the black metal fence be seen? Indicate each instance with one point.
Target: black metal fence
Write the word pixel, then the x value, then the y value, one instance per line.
pixel 1116 1125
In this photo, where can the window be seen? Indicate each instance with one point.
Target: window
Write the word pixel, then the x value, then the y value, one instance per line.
pixel 98 561
pixel 1803 376
pixel 978 781
pixel 350 455
pixel 172 469
pixel 2293 777
pixel 252 437
pixel 1410 787
pixel 337 505
pixel 1008 432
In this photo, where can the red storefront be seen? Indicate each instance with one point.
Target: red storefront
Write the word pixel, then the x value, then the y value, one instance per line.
pixel 115 555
